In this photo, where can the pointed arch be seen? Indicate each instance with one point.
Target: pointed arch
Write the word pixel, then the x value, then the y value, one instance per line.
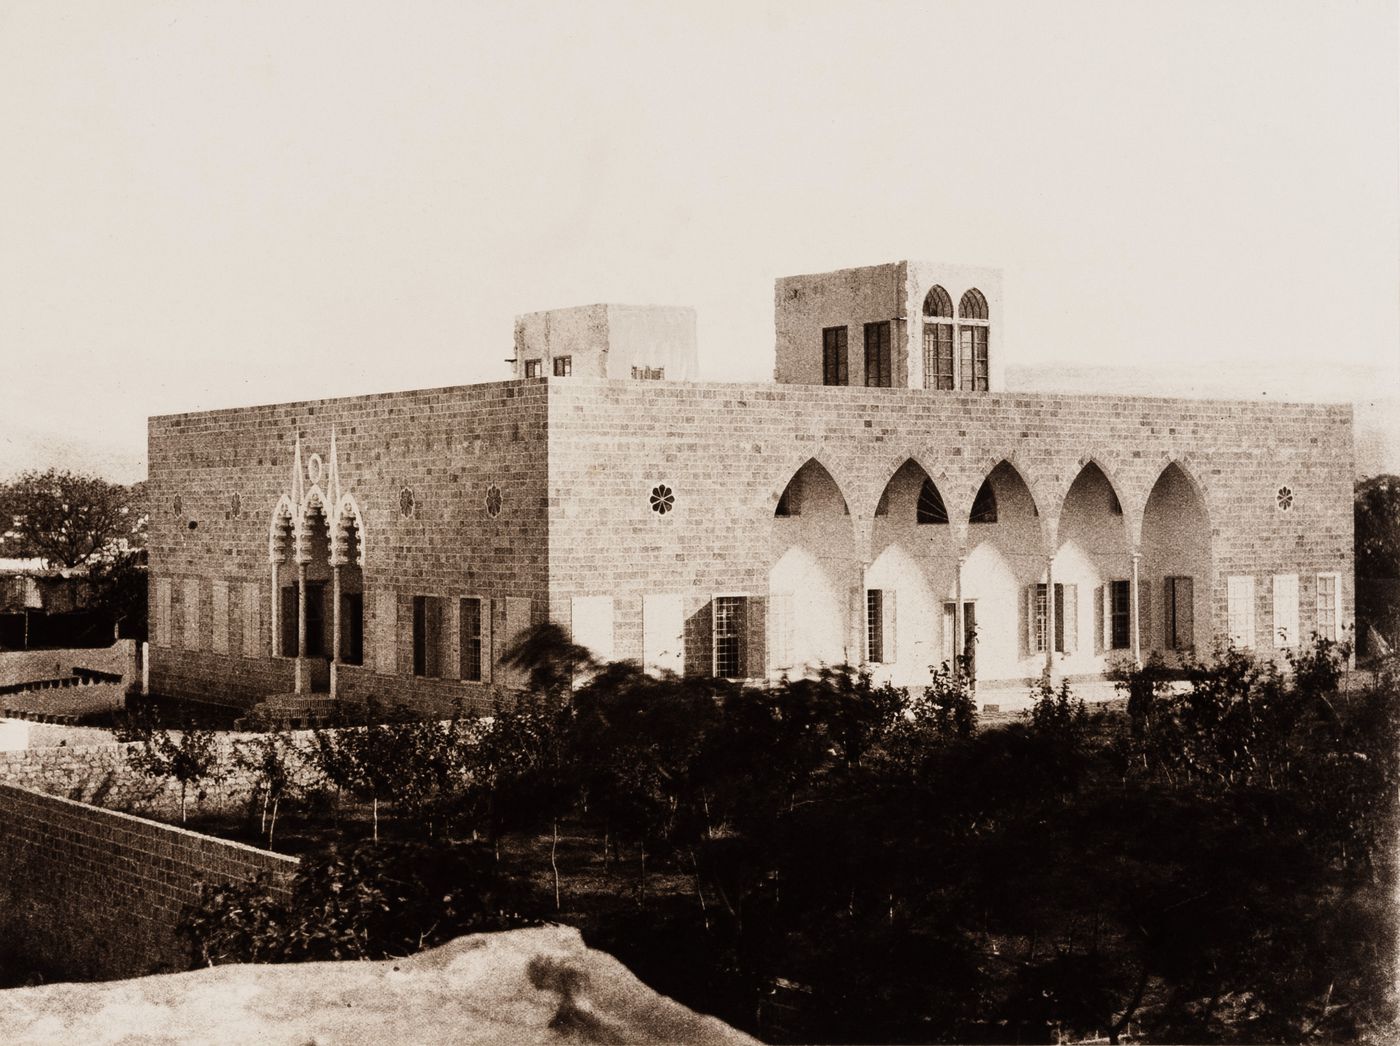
pixel 281 530
pixel 347 518
pixel 912 485
pixel 1183 466
pixel 973 305
pixel 312 505
pixel 937 303
pixel 811 483
pixel 1093 473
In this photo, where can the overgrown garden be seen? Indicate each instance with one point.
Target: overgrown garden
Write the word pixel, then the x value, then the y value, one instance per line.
pixel 830 860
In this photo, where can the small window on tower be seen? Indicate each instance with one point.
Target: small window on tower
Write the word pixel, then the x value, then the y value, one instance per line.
pixel 532 368
pixel 563 366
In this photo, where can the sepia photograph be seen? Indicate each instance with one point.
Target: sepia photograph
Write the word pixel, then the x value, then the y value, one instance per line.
pixel 799 521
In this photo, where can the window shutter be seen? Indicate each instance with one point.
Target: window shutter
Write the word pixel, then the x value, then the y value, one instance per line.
pixel 1144 609
pixel 756 623
pixel 1239 595
pixel 1102 616
pixel 663 632
pixel 697 648
pixel 1070 610
pixel 780 630
pixel 1030 618
pixel 1285 610
pixel 855 644
pixel 887 628
pixel 1185 613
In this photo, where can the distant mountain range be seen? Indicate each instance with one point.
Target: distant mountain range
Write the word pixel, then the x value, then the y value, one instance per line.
pixel 1373 393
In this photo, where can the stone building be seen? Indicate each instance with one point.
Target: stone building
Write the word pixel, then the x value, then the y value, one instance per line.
pixel 884 501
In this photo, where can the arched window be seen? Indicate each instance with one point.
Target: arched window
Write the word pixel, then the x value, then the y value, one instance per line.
pixel 930 508
pixel 972 342
pixel 984 505
pixel 938 339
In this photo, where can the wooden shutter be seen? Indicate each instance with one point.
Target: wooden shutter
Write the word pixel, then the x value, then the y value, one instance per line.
pixel 488 649
pixel 1144 611
pixel 855 644
pixel 1285 610
pixel 1185 613
pixel 1029 602
pixel 756 635
pixel 663 633
pixel 888 633
pixel 1103 616
pixel 1069 618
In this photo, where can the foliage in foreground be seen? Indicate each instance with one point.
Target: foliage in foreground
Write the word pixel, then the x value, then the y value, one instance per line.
pixel 867 865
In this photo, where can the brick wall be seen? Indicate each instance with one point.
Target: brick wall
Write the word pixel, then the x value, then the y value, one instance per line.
pixel 95 894
pixel 224 471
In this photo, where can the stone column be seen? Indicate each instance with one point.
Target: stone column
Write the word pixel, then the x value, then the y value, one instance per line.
pixel 276 616
pixel 1133 611
pixel 959 625
pixel 335 625
pixel 301 629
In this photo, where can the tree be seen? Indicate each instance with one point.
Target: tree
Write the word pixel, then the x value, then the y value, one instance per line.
pixel 189 755
pixel 1377 537
pixel 70 519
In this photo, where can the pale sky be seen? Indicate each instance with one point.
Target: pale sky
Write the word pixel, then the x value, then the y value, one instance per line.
pixel 209 205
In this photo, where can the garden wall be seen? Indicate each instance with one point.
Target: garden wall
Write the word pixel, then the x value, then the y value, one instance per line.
pixel 89 893
pixel 101 774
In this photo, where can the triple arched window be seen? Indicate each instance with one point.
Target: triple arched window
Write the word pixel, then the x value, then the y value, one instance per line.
pixel 967 368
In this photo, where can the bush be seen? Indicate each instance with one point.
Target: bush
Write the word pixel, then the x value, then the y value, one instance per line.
pixel 370 901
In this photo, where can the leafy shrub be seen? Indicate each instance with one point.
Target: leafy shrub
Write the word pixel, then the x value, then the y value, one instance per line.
pixel 369 901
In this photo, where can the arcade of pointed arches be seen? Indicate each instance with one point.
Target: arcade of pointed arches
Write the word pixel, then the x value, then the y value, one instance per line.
pixel 987 584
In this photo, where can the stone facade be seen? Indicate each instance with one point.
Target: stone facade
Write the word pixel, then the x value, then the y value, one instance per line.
pixel 745 530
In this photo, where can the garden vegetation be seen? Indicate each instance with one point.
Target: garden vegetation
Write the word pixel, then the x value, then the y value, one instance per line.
pixel 829 860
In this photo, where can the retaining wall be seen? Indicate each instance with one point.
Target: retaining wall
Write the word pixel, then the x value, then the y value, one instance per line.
pixel 93 894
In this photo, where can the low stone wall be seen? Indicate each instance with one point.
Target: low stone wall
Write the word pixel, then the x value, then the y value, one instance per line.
pixel 102 775
pixel 96 894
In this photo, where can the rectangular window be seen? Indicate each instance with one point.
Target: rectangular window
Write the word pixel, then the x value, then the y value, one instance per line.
pixel 1285 610
pixel 316 619
pixel 875 626
pixel 252 619
pixel 289 621
pixel 938 356
pixel 189 594
pixel 972 358
pixel 1039 616
pixel 728 631
pixel 532 368
pixel 469 639
pixel 1066 636
pixel 1239 605
pixel 563 366
pixel 352 628
pixel 1329 606
pixel 645 373
pixel 834 356
pixel 1120 616
pixel 427 636
pixel 1178 612
pixel 877 354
